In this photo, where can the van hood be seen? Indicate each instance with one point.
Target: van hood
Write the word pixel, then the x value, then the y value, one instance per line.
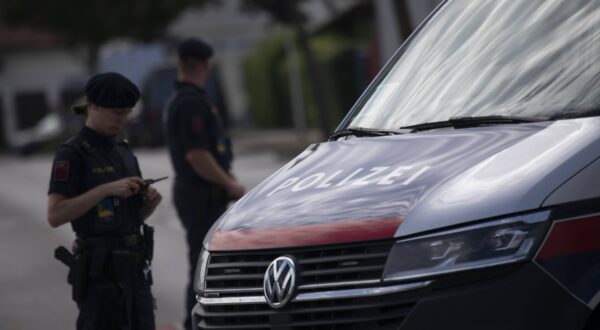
pixel 361 189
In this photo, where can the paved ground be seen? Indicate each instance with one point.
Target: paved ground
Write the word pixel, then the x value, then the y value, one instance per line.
pixel 33 289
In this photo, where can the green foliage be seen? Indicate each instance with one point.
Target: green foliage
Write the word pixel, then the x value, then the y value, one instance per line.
pixel 289 14
pixel 267 86
pixel 266 72
pixel 343 68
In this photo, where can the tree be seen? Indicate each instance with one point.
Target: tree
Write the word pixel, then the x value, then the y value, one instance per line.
pixel 287 12
pixel 91 23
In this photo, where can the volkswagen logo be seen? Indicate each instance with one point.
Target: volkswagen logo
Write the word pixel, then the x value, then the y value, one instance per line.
pixel 279 282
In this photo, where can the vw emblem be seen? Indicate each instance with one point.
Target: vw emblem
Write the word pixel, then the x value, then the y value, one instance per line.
pixel 279 282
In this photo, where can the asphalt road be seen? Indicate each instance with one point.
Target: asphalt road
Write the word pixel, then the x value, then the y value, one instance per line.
pixel 33 289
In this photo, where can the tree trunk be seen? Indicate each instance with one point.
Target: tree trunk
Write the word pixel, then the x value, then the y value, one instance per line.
pixel 318 87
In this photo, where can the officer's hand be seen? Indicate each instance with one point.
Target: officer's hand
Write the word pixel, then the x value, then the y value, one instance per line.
pixel 151 198
pixel 236 190
pixel 124 188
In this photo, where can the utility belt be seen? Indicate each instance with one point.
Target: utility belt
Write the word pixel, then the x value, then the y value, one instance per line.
pixel 132 242
pixel 113 259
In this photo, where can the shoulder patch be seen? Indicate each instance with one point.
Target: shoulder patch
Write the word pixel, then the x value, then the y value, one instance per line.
pixel 61 170
pixel 197 124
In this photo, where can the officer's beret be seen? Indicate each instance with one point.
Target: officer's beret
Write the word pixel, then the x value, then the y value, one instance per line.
pixel 194 48
pixel 110 90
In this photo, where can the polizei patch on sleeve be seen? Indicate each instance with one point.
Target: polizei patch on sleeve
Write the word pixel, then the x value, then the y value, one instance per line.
pixel 61 170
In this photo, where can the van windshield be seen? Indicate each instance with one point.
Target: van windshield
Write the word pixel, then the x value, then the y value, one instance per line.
pixel 526 58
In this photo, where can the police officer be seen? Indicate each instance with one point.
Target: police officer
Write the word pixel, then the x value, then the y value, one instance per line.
pixel 96 185
pixel 200 153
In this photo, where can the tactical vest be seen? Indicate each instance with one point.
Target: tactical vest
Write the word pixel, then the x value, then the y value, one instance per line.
pixel 113 216
pixel 220 144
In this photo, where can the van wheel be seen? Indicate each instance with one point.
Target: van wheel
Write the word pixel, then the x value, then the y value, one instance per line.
pixel 594 322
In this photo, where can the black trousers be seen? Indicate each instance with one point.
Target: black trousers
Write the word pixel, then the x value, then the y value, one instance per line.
pixel 106 304
pixel 198 208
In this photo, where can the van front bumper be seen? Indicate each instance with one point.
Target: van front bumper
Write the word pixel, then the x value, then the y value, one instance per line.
pixel 512 297
pixel 509 298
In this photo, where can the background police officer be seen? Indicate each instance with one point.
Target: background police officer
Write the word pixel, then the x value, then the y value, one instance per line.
pixel 200 153
pixel 96 185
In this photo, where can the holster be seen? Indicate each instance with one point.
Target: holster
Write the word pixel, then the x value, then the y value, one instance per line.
pixel 148 242
pixel 78 271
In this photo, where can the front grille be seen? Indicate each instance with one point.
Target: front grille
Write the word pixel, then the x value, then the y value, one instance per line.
pixel 382 313
pixel 324 268
pixel 236 274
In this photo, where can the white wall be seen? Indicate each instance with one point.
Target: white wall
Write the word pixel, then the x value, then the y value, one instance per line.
pixel 35 71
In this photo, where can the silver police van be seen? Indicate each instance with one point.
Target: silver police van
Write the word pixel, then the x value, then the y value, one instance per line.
pixel 462 191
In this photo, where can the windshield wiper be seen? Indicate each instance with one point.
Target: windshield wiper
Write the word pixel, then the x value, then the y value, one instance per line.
pixel 572 114
pixel 360 132
pixel 464 122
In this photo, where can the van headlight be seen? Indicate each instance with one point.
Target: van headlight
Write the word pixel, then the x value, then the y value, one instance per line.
pixel 200 276
pixel 494 243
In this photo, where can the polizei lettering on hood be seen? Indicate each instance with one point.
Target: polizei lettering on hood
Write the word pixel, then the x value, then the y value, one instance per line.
pixel 381 175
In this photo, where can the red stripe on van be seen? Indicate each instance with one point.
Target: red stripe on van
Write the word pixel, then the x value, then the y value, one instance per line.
pixel 571 237
pixel 318 234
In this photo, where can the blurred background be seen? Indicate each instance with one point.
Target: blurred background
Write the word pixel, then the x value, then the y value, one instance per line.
pixel 284 74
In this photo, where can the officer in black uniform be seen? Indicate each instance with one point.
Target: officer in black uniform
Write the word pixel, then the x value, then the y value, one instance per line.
pixel 96 185
pixel 200 153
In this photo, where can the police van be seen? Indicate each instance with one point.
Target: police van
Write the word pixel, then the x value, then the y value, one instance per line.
pixel 462 191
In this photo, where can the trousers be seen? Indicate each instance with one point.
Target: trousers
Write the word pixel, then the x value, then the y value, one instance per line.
pixel 198 207
pixel 106 304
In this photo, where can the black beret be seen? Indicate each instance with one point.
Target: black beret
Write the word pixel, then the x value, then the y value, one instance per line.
pixel 194 48
pixel 112 90
pixel 109 90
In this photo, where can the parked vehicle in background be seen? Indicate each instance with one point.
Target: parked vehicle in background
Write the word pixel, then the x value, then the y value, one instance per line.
pixel 460 192
pixel 33 125
pixel 145 128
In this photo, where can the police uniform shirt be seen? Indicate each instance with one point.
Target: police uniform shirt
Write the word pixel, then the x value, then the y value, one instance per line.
pixel 90 159
pixel 192 124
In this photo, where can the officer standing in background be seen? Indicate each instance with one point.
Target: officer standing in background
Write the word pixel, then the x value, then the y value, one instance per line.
pixel 200 153
pixel 96 185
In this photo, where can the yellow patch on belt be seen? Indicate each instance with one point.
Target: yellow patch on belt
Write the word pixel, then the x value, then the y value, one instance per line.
pixel 103 170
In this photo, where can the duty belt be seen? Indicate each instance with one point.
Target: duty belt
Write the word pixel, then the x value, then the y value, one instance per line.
pixel 133 240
